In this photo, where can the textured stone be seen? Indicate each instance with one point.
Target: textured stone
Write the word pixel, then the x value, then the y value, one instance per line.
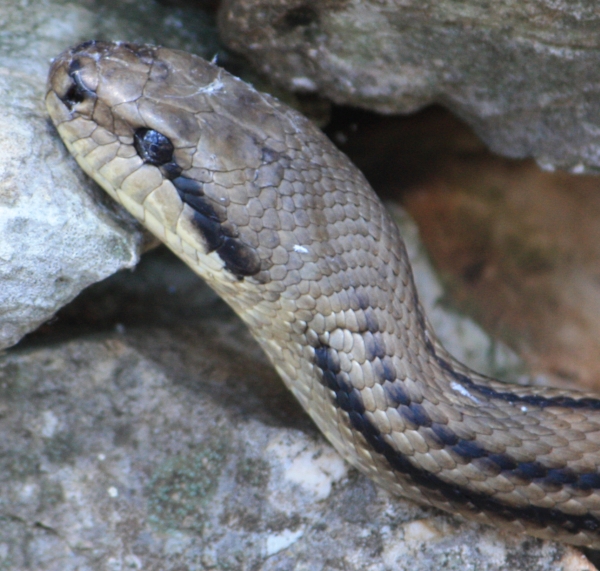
pixel 59 232
pixel 177 447
pixel 56 239
pixel 522 74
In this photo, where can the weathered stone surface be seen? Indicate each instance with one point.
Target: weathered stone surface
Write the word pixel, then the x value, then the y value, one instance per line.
pixel 59 233
pixel 169 442
pixel 524 74
pixel 179 448
pixel 56 239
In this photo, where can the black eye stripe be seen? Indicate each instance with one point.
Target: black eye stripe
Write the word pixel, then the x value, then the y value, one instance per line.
pixel 239 259
pixel 153 147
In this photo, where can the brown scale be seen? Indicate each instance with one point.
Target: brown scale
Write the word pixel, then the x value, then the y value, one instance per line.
pixel 260 204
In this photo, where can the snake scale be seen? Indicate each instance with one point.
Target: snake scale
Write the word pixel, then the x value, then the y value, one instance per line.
pixel 280 223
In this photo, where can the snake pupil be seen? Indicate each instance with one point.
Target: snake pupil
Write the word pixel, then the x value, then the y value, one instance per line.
pixel 153 147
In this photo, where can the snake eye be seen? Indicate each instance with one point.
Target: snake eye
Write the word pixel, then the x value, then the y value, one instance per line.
pixel 153 147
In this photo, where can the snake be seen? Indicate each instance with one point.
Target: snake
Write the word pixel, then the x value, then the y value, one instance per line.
pixel 279 222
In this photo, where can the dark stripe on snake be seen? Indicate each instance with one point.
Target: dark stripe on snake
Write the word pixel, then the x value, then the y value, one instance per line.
pixel 188 187
pixel 464 451
pixel 532 400
pixel 371 319
pixel 442 435
pixel 210 229
pixel 374 345
pixel 362 298
pixel 239 259
pixel 384 369
pixel 416 415
pixel 488 392
pixel 192 193
pixel 395 392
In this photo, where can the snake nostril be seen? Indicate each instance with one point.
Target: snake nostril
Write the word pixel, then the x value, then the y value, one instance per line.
pixel 153 147
pixel 78 91
pixel 73 96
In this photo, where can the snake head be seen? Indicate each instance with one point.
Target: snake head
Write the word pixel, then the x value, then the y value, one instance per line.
pixel 97 89
pixel 216 169
pixel 210 118
pixel 175 140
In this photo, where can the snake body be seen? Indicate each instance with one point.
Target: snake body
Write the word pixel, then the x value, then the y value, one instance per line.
pixel 281 224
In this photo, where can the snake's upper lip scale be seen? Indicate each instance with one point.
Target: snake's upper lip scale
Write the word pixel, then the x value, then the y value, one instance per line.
pixel 280 223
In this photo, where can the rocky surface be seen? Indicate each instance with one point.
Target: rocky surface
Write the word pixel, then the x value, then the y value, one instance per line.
pixel 56 239
pixel 59 233
pixel 172 447
pixel 524 74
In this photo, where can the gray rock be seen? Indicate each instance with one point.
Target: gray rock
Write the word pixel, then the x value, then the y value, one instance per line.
pixel 180 449
pixel 57 238
pixel 523 75
pixel 59 232
pixel 171 443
